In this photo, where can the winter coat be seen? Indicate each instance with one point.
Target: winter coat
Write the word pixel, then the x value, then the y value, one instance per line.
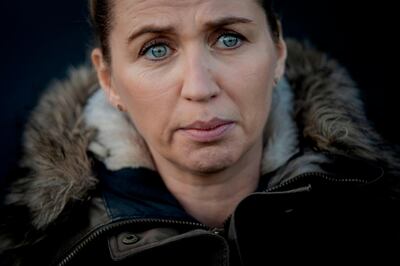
pixel 328 190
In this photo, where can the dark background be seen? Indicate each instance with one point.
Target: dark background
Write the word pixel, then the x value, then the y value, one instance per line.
pixel 40 40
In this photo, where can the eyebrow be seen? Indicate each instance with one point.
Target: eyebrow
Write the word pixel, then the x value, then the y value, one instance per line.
pixel 221 22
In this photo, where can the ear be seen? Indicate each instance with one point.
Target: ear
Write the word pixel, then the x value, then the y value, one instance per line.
pixel 281 50
pixel 105 78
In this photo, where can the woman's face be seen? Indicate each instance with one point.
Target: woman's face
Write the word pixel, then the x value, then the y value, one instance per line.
pixel 195 77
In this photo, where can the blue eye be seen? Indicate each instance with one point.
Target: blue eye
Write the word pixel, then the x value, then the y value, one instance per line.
pixel 157 52
pixel 157 49
pixel 229 40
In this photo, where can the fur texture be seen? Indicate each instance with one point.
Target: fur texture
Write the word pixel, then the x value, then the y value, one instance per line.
pixel 117 143
pixel 281 133
pixel 55 143
pixel 326 112
pixel 329 108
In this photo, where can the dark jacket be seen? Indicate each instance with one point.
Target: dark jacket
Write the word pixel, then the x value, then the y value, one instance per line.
pixel 329 188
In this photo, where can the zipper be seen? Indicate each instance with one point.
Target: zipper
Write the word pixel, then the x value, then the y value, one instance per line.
pixel 324 176
pixel 216 231
pixel 93 236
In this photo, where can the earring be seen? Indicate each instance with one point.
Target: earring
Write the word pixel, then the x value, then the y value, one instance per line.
pixel 120 108
pixel 276 81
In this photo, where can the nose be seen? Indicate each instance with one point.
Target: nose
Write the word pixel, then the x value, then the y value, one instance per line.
pixel 199 83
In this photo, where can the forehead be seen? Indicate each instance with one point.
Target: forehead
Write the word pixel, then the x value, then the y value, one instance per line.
pixel 134 13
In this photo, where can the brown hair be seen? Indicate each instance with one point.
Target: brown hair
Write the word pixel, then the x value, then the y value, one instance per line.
pixel 101 17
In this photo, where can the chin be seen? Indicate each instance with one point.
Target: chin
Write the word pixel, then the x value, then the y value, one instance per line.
pixel 210 161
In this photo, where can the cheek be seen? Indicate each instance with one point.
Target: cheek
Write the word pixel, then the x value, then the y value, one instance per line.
pixel 251 88
pixel 148 100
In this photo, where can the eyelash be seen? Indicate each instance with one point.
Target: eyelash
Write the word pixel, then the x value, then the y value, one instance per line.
pixel 234 34
pixel 156 42
pixel 152 43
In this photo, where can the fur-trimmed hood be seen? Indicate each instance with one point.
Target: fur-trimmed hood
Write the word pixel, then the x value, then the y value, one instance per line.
pixel 317 109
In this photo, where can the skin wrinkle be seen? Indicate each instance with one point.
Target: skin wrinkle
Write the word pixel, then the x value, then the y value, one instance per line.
pixel 103 22
pixel 135 12
pixel 197 81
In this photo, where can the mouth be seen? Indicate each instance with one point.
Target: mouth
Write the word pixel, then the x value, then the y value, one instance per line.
pixel 210 131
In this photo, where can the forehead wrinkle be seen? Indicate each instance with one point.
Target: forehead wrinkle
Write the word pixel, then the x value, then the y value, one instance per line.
pixel 168 20
pixel 134 9
pixel 138 10
pixel 208 25
pixel 147 22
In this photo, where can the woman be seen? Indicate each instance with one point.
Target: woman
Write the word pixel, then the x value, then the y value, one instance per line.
pixel 201 138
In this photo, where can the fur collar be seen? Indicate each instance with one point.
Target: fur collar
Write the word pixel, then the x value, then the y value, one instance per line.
pixel 319 104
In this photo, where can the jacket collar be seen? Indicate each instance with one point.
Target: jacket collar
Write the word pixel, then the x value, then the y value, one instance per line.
pixel 138 193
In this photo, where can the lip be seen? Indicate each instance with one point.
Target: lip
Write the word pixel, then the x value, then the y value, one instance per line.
pixel 213 130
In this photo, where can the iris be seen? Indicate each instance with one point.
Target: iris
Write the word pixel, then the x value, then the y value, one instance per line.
pixel 229 40
pixel 159 51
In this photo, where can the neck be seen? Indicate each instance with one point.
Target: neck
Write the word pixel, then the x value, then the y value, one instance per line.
pixel 212 198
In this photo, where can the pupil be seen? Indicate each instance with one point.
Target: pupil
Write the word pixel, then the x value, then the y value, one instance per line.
pixel 159 51
pixel 230 41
